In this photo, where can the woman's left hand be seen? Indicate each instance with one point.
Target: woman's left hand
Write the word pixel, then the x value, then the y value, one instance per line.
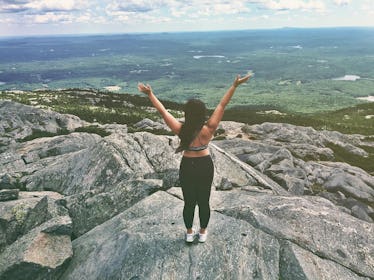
pixel 239 80
pixel 145 88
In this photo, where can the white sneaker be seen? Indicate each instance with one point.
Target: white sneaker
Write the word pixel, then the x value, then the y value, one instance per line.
pixel 203 236
pixel 190 237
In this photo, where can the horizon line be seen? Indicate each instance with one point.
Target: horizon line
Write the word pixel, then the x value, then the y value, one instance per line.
pixel 176 32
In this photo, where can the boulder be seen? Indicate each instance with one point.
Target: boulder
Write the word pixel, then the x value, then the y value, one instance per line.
pixel 225 185
pixel 277 158
pixel 350 143
pixel 12 180
pixel 8 182
pixel 92 208
pixel 80 162
pixel 159 152
pixel 18 121
pixel 40 253
pixel 297 263
pixel 8 194
pixel 41 148
pixel 224 167
pixel 359 209
pixel 278 238
pixel 17 217
pixel 255 176
pixel 147 124
pixel 97 166
pixel 114 128
pixel 313 223
pixel 306 142
pixel 147 242
pixel 349 184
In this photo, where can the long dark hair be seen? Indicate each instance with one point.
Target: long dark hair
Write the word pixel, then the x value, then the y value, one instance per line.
pixel 195 117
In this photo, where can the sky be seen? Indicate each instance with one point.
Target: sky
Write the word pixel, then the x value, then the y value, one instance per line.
pixel 53 17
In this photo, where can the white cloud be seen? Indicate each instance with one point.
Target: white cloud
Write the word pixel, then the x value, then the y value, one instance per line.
pixel 368 7
pixel 46 11
pixel 342 2
pixel 293 5
pixel 224 7
pixel 182 14
pixel 138 6
pixel 32 6
pixel 178 8
pixel 84 18
pixel 52 17
pixel 52 5
pixel 6 7
pixel 7 20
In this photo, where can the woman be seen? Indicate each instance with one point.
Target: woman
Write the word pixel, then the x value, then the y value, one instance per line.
pixel 196 169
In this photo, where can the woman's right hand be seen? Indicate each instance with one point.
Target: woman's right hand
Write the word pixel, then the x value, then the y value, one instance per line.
pixel 145 88
pixel 238 80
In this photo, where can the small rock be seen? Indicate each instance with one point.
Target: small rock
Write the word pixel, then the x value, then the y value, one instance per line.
pixel 225 185
pixel 359 212
pixel 10 194
pixel 30 158
pixel 296 186
pixel 7 182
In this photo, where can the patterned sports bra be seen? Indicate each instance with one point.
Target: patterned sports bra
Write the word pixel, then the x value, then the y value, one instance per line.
pixel 197 149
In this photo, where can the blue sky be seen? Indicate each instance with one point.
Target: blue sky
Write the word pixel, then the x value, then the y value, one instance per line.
pixel 38 17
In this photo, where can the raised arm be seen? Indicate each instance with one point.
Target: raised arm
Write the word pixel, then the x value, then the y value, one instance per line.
pixel 217 115
pixel 171 122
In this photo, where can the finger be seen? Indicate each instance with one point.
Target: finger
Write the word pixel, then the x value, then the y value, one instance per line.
pixel 245 78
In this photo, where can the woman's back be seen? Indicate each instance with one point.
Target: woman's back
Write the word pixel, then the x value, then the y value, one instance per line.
pixel 202 139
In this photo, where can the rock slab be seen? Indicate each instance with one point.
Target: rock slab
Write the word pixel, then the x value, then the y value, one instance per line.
pixel 147 242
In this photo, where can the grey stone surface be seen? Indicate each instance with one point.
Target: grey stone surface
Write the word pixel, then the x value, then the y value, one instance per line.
pixel 299 264
pixel 278 238
pixel 312 223
pixel 38 254
pixel 146 242
pixel 8 194
pixel 18 217
pixel 18 121
pixel 299 159
pixel 7 181
pixel 89 209
pixel 112 200
pixel 148 124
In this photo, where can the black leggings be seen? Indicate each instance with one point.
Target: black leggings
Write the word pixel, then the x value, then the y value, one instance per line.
pixel 196 176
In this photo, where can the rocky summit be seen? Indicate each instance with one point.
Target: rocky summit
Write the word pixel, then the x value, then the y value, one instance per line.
pixel 77 205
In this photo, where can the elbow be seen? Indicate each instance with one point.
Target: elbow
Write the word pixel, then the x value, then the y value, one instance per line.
pixel 212 127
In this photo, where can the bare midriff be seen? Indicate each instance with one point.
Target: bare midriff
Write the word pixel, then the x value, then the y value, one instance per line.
pixel 202 153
